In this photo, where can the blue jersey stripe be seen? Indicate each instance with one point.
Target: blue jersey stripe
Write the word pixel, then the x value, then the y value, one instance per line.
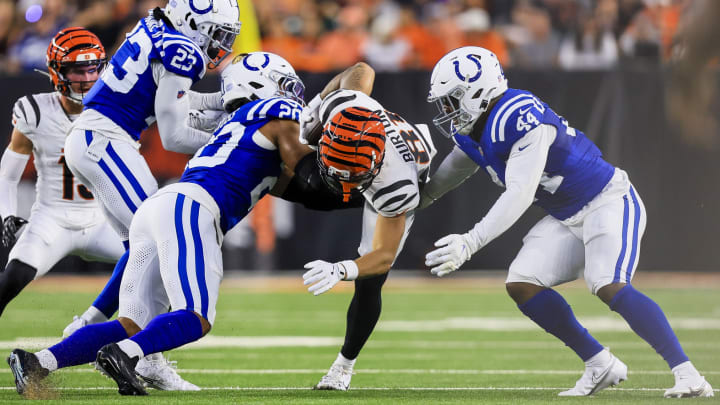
pixel 636 226
pixel 618 265
pixel 182 252
pixel 128 174
pixel 199 258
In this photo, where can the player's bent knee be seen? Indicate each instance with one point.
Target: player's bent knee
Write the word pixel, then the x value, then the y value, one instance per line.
pixel 13 279
pixel 522 292
pixel 607 292
pixel 130 326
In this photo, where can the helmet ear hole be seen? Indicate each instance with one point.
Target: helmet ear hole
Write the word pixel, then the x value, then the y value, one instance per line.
pixel 478 93
pixel 256 85
pixel 192 24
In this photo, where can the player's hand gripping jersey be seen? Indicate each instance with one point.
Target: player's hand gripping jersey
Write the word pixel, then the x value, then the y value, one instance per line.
pixel 408 153
pixel 575 171
pixel 126 91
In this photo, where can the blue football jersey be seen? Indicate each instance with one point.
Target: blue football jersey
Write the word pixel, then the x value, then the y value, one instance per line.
pixel 575 171
pixel 125 92
pixel 239 165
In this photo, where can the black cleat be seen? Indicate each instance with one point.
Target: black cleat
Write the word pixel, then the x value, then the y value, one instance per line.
pixel 114 363
pixel 27 370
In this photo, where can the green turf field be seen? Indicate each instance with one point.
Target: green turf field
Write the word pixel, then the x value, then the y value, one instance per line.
pixel 436 342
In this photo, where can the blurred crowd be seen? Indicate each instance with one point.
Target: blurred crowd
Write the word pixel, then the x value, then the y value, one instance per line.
pixel 391 35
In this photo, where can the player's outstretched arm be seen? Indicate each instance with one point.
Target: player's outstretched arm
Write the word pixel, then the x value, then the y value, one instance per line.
pixel 322 276
pixel 171 110
pixel 522 175
pixel 12 165
pixel 453 171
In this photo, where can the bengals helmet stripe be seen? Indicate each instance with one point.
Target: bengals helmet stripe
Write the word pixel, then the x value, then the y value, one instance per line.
pixel 74 46
pixel 351 150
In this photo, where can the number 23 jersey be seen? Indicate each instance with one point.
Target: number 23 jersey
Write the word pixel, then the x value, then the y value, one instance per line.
pixel 408 153
pixel 125 92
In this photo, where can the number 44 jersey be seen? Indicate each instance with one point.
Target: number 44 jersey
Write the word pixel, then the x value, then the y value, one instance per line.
pixel 125 92
pixel 43 121
pixel 408 153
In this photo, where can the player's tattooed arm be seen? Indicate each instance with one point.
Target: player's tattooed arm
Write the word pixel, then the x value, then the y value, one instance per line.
pixel 12 165
pixel 360 77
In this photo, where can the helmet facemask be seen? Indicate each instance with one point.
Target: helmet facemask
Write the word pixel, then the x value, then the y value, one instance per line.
pixel 216 40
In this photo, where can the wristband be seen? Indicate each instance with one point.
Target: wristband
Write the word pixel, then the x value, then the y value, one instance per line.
pixel 351 269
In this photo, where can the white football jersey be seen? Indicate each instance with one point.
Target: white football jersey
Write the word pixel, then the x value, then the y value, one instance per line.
pixel 408 153
pixel 45 123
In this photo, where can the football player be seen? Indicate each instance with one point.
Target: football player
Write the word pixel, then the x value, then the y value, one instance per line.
pixel 595 224
pixel 175 236
pixel 148 79
pixel 365 149
pixel 65 219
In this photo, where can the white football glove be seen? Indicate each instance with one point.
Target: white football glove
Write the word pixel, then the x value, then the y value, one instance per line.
pixel 452 251
pixel 325 275
pixel 205 120
pixel 310 122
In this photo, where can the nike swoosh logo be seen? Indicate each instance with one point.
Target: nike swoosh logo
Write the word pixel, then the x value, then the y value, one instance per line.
pixel 525 110
pixel 443 82
pixel 522 148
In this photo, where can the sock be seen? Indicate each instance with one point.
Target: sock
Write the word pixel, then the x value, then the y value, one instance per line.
pixel 47 360
pixel 648 321
pixel 107 302
pixel 131 348
pixel 82 346
pixel 363 314
pixel 168 331
pixel 346 363
pixel 685 369
pixel 599 359
pixel 551 312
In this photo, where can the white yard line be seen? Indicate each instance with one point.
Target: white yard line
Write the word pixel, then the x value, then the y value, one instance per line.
pixel 82 370
pixel 365 389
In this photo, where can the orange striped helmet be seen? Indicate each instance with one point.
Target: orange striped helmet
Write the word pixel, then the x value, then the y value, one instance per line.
pixel 351 150
pixel 73 46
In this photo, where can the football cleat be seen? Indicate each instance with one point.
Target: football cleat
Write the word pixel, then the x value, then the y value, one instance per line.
pixel 337 379
pixel 689 388
pixel 77 323
pixel 159 373
pixel 27 370
pixel 114 363
pixel 595 379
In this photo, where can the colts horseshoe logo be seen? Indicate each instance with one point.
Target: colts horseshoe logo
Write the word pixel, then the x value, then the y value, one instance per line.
pixel 255 68
pixel 476 60
pixel 200 11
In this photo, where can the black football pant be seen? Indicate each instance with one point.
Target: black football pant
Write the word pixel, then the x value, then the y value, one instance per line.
pixel 363 314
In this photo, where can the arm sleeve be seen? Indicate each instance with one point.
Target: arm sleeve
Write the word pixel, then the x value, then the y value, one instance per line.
pixel 453 171
pixel 171 111
pixel 523 172
pixel 205 101
pixel 12 166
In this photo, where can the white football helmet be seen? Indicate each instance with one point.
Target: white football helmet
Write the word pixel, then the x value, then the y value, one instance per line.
pixel 256 75
pixel 463 83
pixel 212 24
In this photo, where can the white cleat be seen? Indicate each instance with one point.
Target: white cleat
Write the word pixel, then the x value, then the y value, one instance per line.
pixel 159 373
pixel 689 388
pixel 595 379
pixel 337 379
pixel 77 323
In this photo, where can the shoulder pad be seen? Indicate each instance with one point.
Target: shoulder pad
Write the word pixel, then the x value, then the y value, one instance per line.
pixel 271 108
pixel 516 117
pixel 26 114
pixel 395 198
pixel 182 56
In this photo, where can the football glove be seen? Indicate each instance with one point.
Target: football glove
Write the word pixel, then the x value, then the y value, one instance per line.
pixel 10 225
pixel 452 251
pixel 323 275
pixel 205 120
